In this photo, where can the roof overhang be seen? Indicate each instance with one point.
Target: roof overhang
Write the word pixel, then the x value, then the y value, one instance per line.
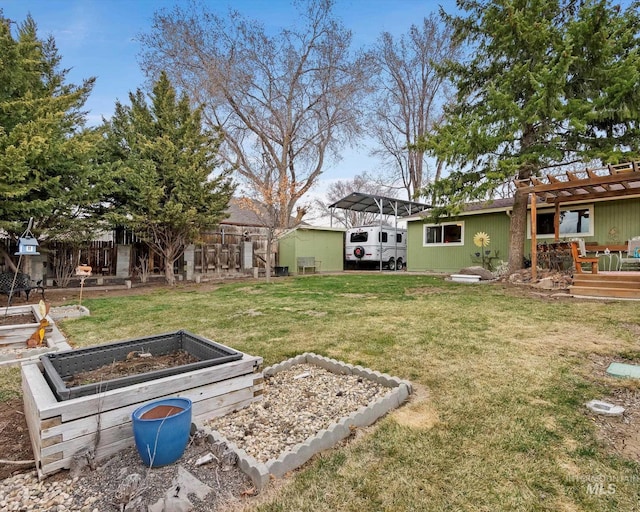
pixel 360 202
pixel 611 181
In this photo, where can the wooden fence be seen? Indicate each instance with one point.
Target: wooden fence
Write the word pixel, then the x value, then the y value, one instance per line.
pixel 99 255
pixel 221 251
pixel 217 252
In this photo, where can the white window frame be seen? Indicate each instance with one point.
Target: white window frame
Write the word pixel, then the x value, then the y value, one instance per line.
pixel 563 235
pixel 443 244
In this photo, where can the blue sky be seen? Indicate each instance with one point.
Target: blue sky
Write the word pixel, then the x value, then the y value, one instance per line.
pixel 98 38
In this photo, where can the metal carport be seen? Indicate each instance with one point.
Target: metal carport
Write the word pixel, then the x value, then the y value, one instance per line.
pixel 360 202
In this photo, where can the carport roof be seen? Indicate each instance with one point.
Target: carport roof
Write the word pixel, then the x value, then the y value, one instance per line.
pixel 360 202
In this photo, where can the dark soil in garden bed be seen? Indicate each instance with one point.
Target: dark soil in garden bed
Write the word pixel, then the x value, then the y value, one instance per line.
pixel 27 318
pixel 135 364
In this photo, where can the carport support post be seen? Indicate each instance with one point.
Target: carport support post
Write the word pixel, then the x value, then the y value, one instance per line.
pixel 395 232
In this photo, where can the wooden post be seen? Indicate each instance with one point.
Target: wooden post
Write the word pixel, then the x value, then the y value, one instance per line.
pixel 556 223
pixel 534 241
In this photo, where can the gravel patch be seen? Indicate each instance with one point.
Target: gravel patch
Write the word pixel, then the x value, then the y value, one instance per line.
pixel 297 403
pixel 105 488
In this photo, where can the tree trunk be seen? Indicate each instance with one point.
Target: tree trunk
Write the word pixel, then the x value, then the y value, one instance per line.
pixel 518 227
pixel 267 259
pixel 517 232
pixel 168 271
pixel 8 261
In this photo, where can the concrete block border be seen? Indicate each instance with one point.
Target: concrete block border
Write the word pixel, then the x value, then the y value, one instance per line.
pixel 68 312
pixel 260 473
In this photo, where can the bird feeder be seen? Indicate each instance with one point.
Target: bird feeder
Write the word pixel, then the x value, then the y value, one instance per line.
pixel 27 246
pixel 83 270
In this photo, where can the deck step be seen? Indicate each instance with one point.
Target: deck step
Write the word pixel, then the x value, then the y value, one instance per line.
pixel 611 278
pixel 598 291
pixel 620 284
pixel 606 283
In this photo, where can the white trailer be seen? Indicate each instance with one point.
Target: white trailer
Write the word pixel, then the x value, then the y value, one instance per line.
pixel 384 245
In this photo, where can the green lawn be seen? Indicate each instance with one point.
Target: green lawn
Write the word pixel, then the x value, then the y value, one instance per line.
pixel 497 423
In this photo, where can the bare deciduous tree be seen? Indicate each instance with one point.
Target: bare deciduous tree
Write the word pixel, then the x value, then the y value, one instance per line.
pixel 342 188
pixel 286 102
pixel 411 98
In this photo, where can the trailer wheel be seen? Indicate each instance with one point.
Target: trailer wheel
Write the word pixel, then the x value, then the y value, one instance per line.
pixel 399 264
pixel 392 264
pixel 358 252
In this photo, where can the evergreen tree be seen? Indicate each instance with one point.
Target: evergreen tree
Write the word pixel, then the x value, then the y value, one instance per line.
pixel 46 156
pixel 161 171
pixel 546 83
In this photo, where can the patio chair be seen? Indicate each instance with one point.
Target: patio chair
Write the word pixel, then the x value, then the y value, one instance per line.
pixel 578 260
pixel 582 249
pixel 633 253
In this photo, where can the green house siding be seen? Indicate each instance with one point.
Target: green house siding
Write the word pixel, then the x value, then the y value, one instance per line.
pixel 614 222
pixel 451 258
pixel 326 246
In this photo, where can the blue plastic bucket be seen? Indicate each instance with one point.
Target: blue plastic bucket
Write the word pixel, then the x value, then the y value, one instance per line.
pixel 161 430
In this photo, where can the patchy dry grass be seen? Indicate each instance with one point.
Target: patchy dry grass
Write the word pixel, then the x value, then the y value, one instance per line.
pixel 9 384
pixel 497 423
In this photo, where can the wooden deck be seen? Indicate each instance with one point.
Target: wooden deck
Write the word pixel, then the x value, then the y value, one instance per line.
pixel 621 285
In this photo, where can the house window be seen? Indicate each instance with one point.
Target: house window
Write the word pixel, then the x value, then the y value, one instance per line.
pixel 573 222
pixel 444 234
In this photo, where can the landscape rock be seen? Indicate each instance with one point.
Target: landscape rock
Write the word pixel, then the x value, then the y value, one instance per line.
pixel 546 284
pixel 545 279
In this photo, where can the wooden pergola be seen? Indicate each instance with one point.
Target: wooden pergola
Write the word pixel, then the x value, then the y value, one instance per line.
pixel 574 186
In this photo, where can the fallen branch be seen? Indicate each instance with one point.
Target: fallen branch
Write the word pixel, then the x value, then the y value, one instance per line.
pixel 17 462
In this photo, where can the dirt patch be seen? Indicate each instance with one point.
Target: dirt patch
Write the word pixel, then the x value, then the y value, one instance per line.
pixel 529 290
pixel 59 297
pixel 14 438
pixel 135 364
pixel 418 413
pixel 622 434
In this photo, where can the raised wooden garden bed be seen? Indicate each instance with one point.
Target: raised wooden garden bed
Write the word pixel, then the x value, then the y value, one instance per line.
pixel 62 368
pixel 101 423
pixel 19 323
